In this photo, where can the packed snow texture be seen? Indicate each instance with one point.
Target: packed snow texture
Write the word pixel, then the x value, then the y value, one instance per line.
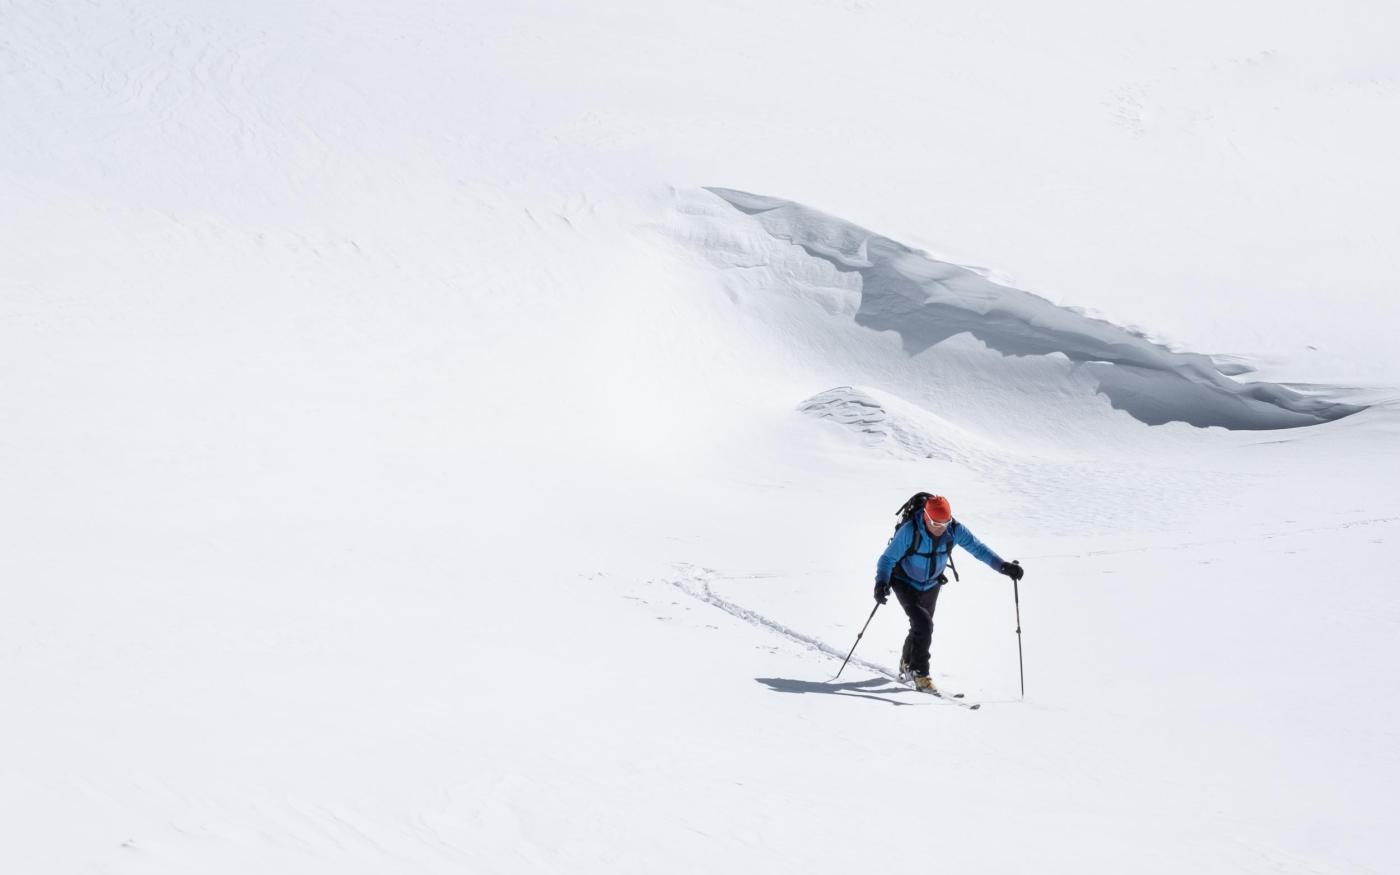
pixel 408 464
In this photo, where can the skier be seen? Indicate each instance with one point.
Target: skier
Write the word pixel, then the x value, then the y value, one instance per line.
pixel 912 565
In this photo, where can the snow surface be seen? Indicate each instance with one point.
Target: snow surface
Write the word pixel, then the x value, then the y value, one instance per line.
pixel 447 437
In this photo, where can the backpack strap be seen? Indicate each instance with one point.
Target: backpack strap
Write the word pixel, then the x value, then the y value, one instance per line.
pixel 952 527
pixel 914 546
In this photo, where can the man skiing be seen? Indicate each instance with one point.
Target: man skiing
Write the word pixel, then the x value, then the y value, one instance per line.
pixel 912 565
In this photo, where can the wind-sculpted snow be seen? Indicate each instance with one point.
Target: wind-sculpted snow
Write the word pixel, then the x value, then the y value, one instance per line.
pixel 881 420
pixel 927 302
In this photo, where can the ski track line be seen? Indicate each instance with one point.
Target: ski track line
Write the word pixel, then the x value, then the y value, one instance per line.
pixel 705 594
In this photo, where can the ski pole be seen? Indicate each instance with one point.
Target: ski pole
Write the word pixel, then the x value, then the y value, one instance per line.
pixel 858 637
pixel 1020 658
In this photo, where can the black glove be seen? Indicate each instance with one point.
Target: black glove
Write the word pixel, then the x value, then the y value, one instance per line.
pixel 882 592
pixel 1012 569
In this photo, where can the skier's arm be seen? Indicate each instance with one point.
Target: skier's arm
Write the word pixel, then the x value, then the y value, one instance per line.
pixel 899 545
pixel 969 542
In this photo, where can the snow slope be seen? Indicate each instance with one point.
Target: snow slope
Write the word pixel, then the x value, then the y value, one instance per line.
pixel 458 437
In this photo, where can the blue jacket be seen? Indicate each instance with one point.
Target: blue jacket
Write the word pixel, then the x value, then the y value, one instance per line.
pixel 923 568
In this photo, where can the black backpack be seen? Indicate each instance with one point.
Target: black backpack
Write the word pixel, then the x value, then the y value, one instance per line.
pixel 915 505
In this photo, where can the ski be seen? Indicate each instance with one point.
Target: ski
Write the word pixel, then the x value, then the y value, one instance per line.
pixel 957 699
pixel 950 698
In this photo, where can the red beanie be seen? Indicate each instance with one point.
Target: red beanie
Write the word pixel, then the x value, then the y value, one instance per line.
pixel 938 509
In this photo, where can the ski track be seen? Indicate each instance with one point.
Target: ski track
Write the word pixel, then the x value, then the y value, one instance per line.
pixel 697 586
pixel 705 594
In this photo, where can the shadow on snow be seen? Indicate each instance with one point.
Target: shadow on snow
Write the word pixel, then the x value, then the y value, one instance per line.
pixel 852 689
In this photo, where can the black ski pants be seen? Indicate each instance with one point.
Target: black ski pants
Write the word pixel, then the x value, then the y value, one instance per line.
pixel 918 605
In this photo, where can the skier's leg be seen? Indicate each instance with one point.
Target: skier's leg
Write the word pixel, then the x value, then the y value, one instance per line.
pixel 915 652
pixel 928 601
pixel 919 608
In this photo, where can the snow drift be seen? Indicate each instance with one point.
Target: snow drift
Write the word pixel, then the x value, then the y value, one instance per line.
pixel 927 301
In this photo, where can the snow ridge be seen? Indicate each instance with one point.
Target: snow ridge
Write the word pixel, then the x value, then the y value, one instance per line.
pixel 927 302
